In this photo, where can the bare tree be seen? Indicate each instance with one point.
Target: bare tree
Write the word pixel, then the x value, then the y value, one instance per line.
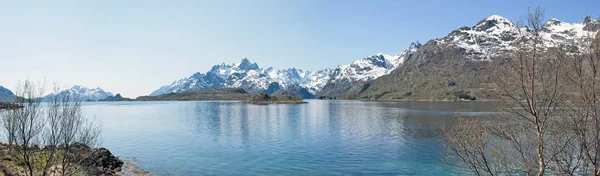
pixel 529 135
pixel 584 75
pixel 23 126
pixel 66 126
pixel 58 125
pixel 468 141
pixel 533 87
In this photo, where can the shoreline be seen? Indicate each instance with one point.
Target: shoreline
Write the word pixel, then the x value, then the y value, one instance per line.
pixel 90 161
pixel 373 100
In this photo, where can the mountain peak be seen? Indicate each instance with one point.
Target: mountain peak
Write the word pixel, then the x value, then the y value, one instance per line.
pixel 493 22
pixel 245 64
pixel 77 87
pixel 588 19
pixel 496 17
pixel 413 47
pixel 554 21
pixel 590 24
pixel 245 60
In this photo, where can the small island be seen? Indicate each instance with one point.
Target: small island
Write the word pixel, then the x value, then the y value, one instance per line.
pixel 263 98
pixel 117 97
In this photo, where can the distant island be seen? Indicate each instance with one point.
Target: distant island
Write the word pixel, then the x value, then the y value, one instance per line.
pixel 263 98
pixel 117 97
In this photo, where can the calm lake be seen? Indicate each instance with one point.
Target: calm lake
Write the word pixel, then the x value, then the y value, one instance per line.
pixel 318 138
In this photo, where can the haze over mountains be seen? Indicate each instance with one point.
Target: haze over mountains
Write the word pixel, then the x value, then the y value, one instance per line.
pixel 84 93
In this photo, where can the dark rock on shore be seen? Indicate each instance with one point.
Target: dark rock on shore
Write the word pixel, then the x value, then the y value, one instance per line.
pixel 99 161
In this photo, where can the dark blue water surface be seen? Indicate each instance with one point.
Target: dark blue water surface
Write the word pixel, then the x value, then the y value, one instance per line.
pixel 318 138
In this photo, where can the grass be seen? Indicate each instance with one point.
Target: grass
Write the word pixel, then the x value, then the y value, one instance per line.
pixel 14 164
pixel 465 95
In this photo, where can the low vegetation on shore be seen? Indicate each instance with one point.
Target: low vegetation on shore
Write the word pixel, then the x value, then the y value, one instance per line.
pixel 263 98
pixel 80 160
pixel 51 139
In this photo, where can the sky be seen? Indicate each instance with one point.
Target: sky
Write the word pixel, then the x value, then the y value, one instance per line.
pixel 134 47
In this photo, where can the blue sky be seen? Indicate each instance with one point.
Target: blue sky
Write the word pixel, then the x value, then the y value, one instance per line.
pixel 134 47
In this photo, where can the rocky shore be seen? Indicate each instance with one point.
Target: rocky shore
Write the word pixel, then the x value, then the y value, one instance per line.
pixel 91 161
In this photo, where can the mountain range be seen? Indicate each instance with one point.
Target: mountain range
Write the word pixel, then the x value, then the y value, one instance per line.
pixel 459 64
pixel 250 77
pixel 84 93
pixel 441 69
pixel 308 84
pixel 434 70
pixel 455 65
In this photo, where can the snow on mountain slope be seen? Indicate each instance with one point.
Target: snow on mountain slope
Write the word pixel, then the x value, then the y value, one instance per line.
pixel 254 79
pixel 84 93
pixel 555 31
pixel 248 76
pixel 495 34
pixel 372 67
pixel 490 37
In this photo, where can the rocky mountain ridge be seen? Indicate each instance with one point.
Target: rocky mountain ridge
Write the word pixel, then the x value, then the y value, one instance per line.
pixel 460 64
pixel 254 79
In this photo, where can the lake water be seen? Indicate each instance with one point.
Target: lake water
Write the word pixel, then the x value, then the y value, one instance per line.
pixel 318 138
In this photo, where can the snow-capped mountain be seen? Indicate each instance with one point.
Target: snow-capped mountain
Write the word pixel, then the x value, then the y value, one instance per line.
pixel 372 67
pixel 253 79
pixel 459 61
pixel 344 77
pixel 6 95
pixel 490 37
pixel 495 34
pixel 84 93
pixel 248 76
pixel 555 31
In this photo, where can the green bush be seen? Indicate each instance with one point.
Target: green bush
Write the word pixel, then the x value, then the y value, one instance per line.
pixel 464 95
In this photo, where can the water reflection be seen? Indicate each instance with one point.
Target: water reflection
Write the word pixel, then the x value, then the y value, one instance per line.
pixel 321 137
